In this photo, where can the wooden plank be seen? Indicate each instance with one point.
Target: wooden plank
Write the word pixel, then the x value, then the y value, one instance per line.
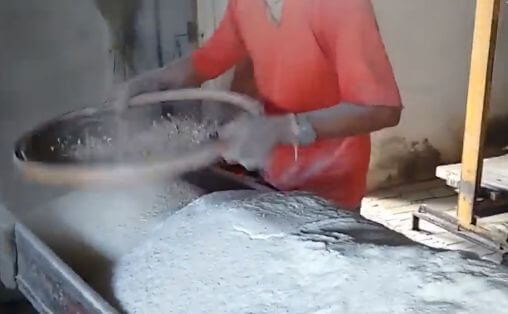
pixel 495 174
pixel 480 82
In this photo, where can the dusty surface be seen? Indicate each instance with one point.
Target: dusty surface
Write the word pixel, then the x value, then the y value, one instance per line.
pixel 292 253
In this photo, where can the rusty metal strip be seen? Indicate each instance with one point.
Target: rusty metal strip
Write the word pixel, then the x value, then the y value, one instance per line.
pixel 49 284
pixel 449 223
pixel 480 82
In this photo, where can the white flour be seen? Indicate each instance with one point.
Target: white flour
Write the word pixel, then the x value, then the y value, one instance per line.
pixel 90 229
pixel 112 221
pixel 166 137
pixel 287 253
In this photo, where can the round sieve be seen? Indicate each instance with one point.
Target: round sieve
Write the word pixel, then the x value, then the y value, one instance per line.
pixel 52 153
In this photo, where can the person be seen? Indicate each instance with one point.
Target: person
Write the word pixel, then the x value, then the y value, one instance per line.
pixel 326 82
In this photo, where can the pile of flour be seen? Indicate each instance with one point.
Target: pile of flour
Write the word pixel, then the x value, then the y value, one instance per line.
pixel 293 253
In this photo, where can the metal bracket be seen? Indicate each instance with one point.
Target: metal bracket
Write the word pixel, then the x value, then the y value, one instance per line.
pixel 449 223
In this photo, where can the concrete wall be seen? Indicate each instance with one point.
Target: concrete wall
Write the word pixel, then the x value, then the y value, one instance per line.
pixel 429 43
pixel 55 56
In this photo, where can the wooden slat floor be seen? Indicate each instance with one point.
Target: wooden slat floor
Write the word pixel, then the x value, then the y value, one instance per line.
pixel 394 207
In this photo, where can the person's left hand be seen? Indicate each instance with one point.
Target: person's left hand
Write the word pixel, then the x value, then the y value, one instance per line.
pixel 250 140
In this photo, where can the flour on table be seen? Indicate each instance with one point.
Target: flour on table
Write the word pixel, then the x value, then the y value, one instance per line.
pixel 292 253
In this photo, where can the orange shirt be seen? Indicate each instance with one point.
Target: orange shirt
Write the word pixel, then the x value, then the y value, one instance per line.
pixel 324 52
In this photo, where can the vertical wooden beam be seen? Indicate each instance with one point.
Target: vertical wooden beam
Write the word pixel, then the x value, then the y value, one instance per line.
pixel 480 81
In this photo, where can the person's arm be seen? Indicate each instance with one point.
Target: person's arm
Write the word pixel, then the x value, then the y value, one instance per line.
pixel 350 120
pixel 177 74
pixel 349 36
pixel 221 52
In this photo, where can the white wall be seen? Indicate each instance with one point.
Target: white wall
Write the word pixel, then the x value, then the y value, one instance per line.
pixel 429 43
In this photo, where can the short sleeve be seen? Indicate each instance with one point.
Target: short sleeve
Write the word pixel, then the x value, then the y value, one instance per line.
pixel 223 50
pixel 349 33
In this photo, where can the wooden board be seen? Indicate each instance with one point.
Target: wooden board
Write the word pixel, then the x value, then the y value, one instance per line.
pixel 495 174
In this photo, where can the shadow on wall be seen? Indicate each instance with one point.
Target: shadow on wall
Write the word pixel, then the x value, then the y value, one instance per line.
pixel 403 162
pixel 496 141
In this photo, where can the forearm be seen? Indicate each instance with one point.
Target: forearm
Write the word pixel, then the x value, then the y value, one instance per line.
pixel 350 120
pixel 178 74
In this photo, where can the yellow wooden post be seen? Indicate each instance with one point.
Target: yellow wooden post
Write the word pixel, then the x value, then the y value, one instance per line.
pixel 480 81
